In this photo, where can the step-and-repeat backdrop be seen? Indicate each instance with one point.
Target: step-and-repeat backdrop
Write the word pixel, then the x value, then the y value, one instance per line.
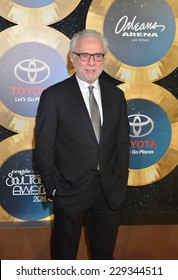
pixel 143 55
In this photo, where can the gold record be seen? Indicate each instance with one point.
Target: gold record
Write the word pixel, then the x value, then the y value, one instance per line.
pixel 126 73
pixel 9 147
pixel 15 144
pixel 165 100
pixel 44 35
pixel 6 217
pixel 46 15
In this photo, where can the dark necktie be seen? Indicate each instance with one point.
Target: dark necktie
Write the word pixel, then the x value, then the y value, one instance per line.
pixel 95 114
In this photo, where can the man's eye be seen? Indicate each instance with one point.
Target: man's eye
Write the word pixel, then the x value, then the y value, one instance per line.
pixel 84 55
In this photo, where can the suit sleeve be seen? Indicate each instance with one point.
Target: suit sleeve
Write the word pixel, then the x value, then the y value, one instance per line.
pixel 123 141
pixel 45 137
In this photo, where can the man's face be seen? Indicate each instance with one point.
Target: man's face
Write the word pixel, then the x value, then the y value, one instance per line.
pixel 90 70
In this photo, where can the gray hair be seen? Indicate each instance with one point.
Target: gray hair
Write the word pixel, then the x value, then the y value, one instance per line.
pixel 88 33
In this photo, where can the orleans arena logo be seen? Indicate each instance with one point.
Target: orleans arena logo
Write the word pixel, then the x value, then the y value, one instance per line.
pixel 136 30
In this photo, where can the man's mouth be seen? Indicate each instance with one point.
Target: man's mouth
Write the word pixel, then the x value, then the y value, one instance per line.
pixel 90 70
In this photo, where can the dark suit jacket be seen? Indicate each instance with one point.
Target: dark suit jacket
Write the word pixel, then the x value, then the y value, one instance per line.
pixel 67 151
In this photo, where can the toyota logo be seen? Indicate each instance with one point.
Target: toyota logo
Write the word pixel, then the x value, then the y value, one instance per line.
pixel 141 125
pixel 32 71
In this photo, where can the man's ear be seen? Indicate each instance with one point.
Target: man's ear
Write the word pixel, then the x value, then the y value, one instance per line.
pixel 71 58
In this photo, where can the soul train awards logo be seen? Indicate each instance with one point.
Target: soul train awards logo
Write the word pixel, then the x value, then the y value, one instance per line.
pixel 22 193
pixel 26 182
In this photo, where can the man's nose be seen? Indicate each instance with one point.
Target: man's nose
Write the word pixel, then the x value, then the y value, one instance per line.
pixel 91 60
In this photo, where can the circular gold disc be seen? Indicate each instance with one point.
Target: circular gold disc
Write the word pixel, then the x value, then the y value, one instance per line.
pixel 18 36
pixel 126 72
pixel 31 13
pixel 10 147
pixel 169 104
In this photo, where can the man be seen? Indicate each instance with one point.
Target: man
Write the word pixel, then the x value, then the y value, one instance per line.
pixel 84 166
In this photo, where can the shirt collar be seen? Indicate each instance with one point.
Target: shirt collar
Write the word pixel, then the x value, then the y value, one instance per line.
pixel 84 85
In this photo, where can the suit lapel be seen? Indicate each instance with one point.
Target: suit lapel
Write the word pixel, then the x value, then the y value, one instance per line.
pixel 106 109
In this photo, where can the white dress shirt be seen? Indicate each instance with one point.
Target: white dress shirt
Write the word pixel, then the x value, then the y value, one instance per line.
pixel 97 94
